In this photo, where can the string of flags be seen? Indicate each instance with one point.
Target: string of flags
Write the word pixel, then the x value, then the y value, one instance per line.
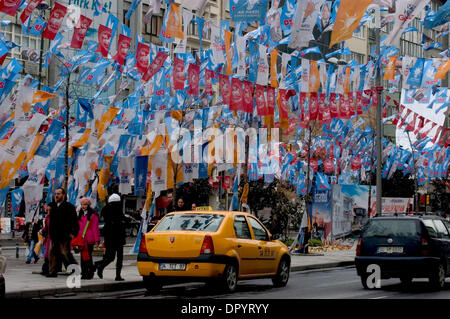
pixel 243 81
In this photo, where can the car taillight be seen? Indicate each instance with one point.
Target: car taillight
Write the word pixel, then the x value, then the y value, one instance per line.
pixel 424 246
pixel 142 246
pixel 207 246
pixel 358 247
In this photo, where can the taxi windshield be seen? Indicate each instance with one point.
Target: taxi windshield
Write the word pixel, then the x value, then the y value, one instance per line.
pixel 193 222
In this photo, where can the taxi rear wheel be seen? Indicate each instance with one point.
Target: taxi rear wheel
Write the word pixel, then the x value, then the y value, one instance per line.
pixel 282 276
pixel 229 278
pixel 152 284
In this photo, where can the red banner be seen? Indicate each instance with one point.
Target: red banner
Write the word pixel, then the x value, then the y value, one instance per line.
pixel 32 4
pixel 123 47
pixel 80 32
pixel 54 21
pixel 324 110
pixel 328 165
pixel 208 82
pixel 155 66
pixel 142 57
pixel 193 78
pixel 236 95
pixel 9 7
pixel 270 100
pixel 261 106
pixel 248 96
pixel 333 106
pixel 313 106
pixel 178 74
pixel 104 39
pixel 224 87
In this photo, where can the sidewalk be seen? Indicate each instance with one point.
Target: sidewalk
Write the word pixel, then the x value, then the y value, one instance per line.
pixel 24 281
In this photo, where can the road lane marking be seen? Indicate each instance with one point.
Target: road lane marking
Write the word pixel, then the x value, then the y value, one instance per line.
pixel 381 297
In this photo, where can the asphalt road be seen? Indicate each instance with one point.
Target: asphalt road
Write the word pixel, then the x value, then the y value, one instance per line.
pixel 333 283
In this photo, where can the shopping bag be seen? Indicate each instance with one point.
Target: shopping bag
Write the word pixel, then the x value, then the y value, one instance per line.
pixel 39 244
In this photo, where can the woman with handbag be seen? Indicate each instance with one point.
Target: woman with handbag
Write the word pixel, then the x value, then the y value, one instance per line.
pixel 88 236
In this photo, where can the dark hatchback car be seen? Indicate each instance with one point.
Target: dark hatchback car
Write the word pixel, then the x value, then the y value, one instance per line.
pixel 406 248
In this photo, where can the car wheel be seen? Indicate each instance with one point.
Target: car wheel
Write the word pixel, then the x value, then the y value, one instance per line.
pixel 152 284
pixel 437 279
pixel 282 276
pixel 229 278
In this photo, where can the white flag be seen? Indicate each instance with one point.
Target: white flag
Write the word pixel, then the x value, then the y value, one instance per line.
pixel 406 11
pixel 305 19
pixel 125 174
pixel 240 47
pixel 263 66
pixel 187 18
pixel 32 195
pixel 159 171
pixel 216 45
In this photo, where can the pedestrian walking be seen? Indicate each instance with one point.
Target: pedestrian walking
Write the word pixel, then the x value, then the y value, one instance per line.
pixel 30 236
pixel 63 228
pixel 114 235
pixel 44 232
pixel 90 233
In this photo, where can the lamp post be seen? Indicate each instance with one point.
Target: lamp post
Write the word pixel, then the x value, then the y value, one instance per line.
pixel 41 7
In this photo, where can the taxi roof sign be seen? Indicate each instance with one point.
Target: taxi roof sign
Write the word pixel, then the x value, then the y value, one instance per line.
pixel 204 208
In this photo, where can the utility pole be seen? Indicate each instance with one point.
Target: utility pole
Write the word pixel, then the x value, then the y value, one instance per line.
pixel 41 7
pixel 379 128
pixel 66 151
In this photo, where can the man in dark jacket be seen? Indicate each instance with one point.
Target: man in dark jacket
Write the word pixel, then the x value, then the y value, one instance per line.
pixel 114 235
pixel 63 228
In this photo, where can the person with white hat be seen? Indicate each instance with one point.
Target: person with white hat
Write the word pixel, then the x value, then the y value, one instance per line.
pixel 114 235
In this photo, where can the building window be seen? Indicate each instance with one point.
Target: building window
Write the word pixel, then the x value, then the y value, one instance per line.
pixel 361 33
pixel 13 32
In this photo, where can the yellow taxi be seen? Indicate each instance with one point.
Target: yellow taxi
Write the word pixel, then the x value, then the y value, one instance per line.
pixel 212 246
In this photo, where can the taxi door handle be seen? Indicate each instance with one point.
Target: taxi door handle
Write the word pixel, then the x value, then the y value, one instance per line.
pixel 259 247
pixel 239 246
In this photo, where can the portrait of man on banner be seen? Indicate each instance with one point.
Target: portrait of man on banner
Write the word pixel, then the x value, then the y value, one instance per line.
pixel 54 21
pixel 123 46
pixel 104 39
pixel 248 97
pixel 236 95
pixel 322 33
pixel 142 57
pixel 80 32
pixel 224 87
pixel 194 78
pixel 178 74
pixel 10 7
pixel 29 9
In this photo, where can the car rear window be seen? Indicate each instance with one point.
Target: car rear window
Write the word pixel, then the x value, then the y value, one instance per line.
pixel 391 227
pixel 193 222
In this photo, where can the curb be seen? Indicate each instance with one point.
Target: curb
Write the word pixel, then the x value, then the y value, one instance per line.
pixel 322 266
pixel 113 286
pixel 101 287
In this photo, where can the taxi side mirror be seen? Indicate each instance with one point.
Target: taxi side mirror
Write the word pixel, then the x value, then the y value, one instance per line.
pixel 274 237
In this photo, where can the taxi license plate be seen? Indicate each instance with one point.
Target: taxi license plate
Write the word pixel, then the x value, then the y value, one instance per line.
pixel 167 266
pixel 391 249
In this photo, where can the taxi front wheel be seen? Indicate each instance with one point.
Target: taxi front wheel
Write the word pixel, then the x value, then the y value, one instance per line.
pixel 282 276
